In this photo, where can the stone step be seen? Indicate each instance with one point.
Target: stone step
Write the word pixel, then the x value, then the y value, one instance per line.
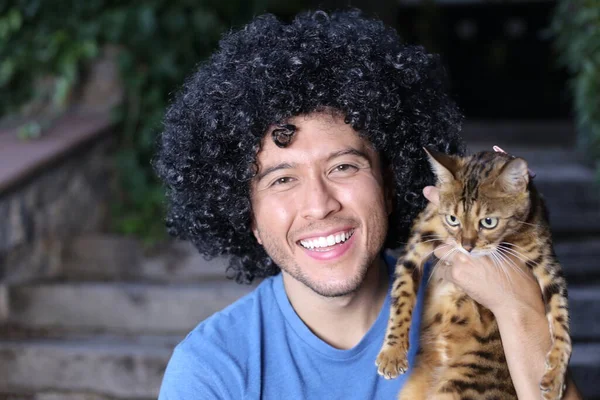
pixel 176 309
pixel 584 310
pixel 567 183
pixel 120 307
pixel 579 259
pixel 99 368
pixel 56 395
pixel 116 368
pixel 585 369
pixel 537 155
pixel 99 257
pixel 519 132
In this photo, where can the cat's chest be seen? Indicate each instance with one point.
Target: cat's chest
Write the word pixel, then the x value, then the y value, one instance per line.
pixel 446 303
pixel 443 292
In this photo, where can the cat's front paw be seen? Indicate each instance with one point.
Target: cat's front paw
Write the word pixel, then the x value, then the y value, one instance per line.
pixel 552 387
pixel 553 381
pixel 392 361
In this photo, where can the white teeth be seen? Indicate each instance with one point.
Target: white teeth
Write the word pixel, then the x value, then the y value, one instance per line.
pixel 326 241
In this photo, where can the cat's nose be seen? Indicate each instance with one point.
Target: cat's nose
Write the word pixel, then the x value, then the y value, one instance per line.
pixel 467 245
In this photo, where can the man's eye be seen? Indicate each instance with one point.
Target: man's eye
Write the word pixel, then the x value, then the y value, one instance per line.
pixel 345 168
pixel 282 181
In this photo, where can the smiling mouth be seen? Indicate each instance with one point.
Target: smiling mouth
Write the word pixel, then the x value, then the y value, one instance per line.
pixel 325 243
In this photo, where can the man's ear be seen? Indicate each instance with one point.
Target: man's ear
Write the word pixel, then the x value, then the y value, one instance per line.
pixel 255 232
pixel 389 190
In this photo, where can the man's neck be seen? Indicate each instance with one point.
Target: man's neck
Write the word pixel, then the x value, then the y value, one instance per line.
pixel 341 321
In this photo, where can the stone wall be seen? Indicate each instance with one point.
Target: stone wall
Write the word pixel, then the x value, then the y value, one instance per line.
pixel 37 217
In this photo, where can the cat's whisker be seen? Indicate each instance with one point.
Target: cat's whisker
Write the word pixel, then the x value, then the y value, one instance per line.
pixel 439 238
pixel 498 262
pixel 500 265
pixel 512 253
pixel 432 235
pixel 511 263
pixel 511 245
pixel 431 240
pixel 507 257
pixel 443 259
pixel 525 274
pixel 431 252
pixel 515 253
pixel 530 224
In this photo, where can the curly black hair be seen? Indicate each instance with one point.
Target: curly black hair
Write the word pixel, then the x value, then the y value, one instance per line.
pixel 392 94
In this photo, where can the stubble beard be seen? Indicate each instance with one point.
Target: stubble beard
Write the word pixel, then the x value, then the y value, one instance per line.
pixel 288 265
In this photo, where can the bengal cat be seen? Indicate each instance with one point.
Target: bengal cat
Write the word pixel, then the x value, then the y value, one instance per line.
pixel 488 206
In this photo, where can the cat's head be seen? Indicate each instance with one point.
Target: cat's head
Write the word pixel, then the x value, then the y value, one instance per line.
pixel 484 198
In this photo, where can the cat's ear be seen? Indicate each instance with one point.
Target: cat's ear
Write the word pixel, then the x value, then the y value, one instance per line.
pixel 442 164
pixel 514 177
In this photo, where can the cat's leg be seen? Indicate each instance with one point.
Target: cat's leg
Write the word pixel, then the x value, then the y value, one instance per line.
pixel 392 359
pixel 416 386
pixel 554 289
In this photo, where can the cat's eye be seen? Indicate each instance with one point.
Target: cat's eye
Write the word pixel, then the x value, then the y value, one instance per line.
pixel 489 223
pixel 452 220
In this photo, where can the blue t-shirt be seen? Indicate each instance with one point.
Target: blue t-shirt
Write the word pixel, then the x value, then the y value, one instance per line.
pixel 258 348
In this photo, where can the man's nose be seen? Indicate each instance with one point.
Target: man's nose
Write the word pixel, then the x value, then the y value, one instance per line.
pixel 319 199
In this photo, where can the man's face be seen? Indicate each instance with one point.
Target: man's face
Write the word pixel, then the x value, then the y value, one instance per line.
pixel 320 206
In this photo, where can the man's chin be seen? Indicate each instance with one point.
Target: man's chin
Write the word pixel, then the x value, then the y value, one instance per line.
pixel 338 289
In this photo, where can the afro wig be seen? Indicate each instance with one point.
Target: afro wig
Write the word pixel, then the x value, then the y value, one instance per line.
pixel 392 94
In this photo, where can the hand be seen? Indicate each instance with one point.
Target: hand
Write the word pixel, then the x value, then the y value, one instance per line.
pixel 501 286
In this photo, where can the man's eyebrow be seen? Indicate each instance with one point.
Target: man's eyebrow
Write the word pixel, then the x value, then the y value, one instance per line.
pixel 272 169
pixel 285 165
pixel 350 151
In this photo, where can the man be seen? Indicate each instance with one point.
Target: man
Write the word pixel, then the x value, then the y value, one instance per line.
pixel 297 151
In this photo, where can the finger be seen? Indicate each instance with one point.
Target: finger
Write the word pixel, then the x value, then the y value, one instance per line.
pixel 456 269
pixel 432 194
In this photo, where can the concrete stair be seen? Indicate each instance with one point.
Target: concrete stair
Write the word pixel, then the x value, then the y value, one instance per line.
pixel 106 328
pixel 124 308
pixel 568 183
pixel 135 309
pixel 102 367
pixel 115 368
pixel 539 134
pixel 579 259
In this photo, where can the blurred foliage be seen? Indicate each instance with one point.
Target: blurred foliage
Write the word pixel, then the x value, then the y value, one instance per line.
pixel 576 26
pixel 159 43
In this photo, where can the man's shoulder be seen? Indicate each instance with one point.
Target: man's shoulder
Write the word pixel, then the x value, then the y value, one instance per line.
pixel 234 321
pixel 216 346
